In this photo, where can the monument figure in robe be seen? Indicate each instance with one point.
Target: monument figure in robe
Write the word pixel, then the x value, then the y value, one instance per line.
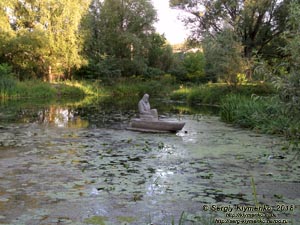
pixel 145 109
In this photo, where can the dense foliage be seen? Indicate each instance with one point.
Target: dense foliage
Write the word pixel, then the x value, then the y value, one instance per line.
pixel 250 41
pixel 50 39
pixel 42 37
pixel 121 39
pixel 257 23
pixel 234 34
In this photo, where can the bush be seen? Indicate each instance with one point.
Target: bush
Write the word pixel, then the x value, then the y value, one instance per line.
pixel 261 89
pixel 137 86
pixel 194 64
pixel 76 88
pixel 181 94
pixel 153 72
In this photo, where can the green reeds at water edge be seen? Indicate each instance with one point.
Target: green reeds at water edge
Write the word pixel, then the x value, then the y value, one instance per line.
pixel 7 82
pixel 213 93
pixel 262 114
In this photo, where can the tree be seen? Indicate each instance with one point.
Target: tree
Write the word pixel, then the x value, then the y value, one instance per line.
pixel 258 24
pixel 193 63
pixel 47 36
pixel 288 81
pixel 26 52
pixel 224 57
pixel 65 41
pixel 119 30
pixel 160 54
pixel 6 33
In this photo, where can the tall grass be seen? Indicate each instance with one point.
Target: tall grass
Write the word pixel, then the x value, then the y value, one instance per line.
pixel 10 88
pixel 264 114
pixel 7 86
pixel 212 94
pixel 33 89
pixel 7 81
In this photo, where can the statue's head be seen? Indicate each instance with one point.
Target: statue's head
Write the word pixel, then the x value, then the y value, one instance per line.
pixel 146 97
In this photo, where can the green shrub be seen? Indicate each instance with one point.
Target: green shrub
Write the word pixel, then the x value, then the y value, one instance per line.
pixel 137 86
pixel 69 90
pixel 261 89
pixel 194 63
pixel 76 88
pixel 153 72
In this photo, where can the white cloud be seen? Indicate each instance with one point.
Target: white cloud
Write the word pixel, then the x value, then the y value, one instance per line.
pixel 168 23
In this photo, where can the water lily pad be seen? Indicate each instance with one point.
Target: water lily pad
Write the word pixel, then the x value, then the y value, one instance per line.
pixel 104 170
pixel 97 220
pixel 126 219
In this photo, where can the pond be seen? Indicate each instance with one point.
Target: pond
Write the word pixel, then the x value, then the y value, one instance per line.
pixel 74 162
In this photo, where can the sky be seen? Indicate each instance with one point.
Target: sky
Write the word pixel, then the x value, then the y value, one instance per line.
pixel 168 23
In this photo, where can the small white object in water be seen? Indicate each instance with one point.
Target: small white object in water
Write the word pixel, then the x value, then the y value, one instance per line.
pixel 94 191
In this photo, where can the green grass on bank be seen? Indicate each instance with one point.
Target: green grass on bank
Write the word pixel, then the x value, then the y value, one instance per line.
pixel 254 106
pixel 264 114
pixel 212 94
pixel 80 88
pixel 39 89
pixel 26 89
pixel 135 86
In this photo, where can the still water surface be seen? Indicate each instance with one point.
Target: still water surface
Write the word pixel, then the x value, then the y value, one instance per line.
pixel 75 163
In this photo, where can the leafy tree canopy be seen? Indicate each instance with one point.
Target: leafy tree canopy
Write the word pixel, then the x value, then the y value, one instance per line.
pixel 46 35
pixel 258 24
pixel 122 32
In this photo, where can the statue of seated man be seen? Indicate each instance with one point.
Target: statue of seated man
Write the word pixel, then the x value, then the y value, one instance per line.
pixel 145 110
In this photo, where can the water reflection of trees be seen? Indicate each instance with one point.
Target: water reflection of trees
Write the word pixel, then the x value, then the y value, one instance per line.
pixel 104 112
pixel 60 117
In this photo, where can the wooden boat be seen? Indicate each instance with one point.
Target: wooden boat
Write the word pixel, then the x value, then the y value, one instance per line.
pixel 155 125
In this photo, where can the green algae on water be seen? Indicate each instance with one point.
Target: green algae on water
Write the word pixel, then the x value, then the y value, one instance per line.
pixel 96 220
